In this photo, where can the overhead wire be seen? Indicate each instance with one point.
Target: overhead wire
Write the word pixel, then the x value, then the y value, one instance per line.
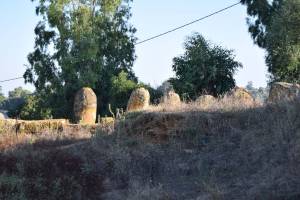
pixel 165 33
pixel 12 79
pixel 188 24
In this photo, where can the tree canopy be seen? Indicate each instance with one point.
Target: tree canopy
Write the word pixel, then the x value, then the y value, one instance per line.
pixel 18 92
pixel 80 44
pixel 275 26
pixel 15 101
pixel 2 97
pixel 204 68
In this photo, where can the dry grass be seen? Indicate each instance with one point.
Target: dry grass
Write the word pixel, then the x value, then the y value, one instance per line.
pixel 48 133
pixel 223 150
pixel 225 104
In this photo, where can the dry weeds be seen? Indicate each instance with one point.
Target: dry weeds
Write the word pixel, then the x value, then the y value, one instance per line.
pixel 222 150
pixel 225 104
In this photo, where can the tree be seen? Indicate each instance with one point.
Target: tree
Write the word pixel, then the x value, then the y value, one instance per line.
pixel 15 101
pixel 204 69
pixel 121 90
pixel 250 86
pixel 13 106
pixel 80 44
pixel 18 92
pixel 33 109
pixel 276 28
pixel 2 97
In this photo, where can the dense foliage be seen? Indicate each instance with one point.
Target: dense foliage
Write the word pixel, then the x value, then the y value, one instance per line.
pixel 79 44
pixel 15 101
pixel 276 28
pixel 204 69
pixel 33 109
pixel 121 90
pixel 18 93
pixel 2 97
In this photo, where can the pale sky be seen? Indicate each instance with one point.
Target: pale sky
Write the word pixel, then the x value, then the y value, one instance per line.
pixel 154 62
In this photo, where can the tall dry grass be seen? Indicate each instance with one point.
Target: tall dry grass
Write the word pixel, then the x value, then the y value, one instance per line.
pixel 223 104
pixel 223 150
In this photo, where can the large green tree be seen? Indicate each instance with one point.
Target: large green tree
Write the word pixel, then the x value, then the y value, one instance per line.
pixel 80 43
pixel 204 69
pixel 275 26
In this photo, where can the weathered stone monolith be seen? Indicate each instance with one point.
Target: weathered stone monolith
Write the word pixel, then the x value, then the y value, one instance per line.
pixel 171 98
pixel 242 95
pixel 281 91
pixel 205 100
pixel 85 106
pixel 139 100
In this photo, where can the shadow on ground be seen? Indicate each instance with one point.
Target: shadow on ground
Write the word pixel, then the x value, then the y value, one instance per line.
pixel 247 154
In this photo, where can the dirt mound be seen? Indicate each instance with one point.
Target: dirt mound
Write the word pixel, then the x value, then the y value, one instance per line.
pixel 157 125
pixel 238 154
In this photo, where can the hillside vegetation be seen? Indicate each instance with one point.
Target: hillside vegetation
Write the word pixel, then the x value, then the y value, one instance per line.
pixel 191 152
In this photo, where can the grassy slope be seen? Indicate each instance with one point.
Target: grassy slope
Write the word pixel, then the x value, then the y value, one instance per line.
pixel 185 154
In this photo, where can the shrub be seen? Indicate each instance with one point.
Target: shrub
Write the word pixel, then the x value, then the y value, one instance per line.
pixel 204 69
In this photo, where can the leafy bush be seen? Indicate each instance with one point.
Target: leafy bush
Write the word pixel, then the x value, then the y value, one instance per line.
pixel 121 90
pixel 13 106
pixel 33 109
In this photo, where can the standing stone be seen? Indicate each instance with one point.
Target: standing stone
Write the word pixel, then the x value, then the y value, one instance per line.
pixel 282 91
pixel 242 95
pixel 205 100
pixel 85 106
pixel 3 114
pixel 139 100
pixel 171 98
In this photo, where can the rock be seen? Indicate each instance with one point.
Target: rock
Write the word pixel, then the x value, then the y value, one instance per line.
pixel 139 100
pixel 85 106
pixel 3 114
pixel 205 100
pixel 281 91
pixel 171 98
pixel 242 95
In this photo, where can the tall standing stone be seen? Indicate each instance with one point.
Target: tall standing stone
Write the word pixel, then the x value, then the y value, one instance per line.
pixel 281 91
pixel 242 95
pixel 171 99
pixel 205 100
pixel 85 106
pixel 139 100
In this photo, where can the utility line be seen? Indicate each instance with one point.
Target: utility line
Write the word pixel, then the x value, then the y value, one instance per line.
pixel 165 33
pixel 188 24
pixel 12 79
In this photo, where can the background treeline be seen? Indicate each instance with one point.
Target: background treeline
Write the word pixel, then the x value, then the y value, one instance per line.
pixel 92 44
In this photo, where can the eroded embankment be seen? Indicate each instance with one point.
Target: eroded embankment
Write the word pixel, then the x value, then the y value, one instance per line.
pixel 246 154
